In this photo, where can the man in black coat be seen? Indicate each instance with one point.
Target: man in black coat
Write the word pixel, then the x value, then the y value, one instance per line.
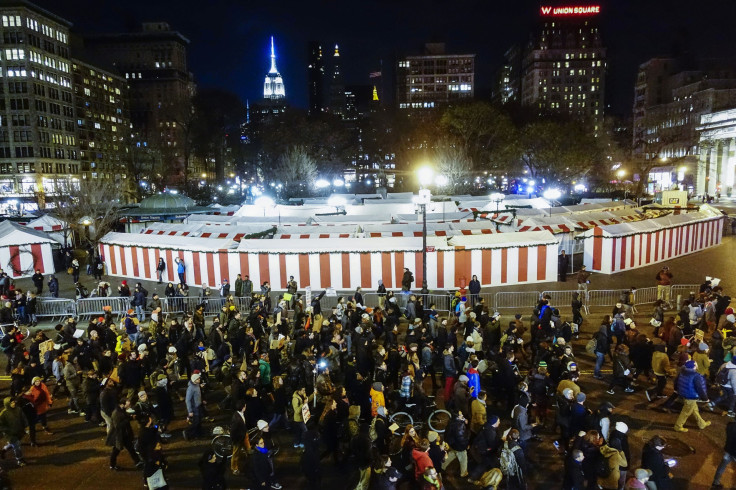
pixel 563 265
pixel 238 435
pixel 120 436
pixel 457 437
pixel 484 448
pixel 37 279
pixel 574 478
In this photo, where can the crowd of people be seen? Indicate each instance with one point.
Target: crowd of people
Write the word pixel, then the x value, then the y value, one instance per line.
pixel 333 377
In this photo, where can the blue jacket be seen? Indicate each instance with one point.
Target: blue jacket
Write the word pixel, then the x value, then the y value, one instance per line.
pixel 691 385
pixel 474 381
pixel 180 268
pixel 193 397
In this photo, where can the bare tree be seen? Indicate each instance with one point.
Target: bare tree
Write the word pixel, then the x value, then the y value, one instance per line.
pixel 454 163
pixel 89 206
pixel 297 170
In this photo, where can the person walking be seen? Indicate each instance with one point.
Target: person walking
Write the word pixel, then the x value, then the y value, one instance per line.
pixel 602 346
pixel 238 436
pixel 37 279
pixel 458 438
pixel 691 387
pixel 12 424
pixel 729 455
pixel 664 285
pixel 194 407
pixel 121 436
pixel 75 270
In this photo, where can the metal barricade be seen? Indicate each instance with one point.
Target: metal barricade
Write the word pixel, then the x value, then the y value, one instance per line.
pixel 527 299
pixel 684 290
pixel 604 297
pixel 563 299
pixel 119 306
pixel 56 308
pixel 645 296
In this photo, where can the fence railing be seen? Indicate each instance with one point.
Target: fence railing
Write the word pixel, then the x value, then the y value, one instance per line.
pixel 58 308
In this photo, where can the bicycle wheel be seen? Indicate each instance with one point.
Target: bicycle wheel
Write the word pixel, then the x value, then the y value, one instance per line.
pixel 438 420
pixel 223 446
pixel 402 419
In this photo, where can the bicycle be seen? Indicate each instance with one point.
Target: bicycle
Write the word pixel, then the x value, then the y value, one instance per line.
pixel 437 421
pixel 222 443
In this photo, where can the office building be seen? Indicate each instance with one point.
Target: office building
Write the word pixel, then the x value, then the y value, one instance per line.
pixel 564 66
pixel 103 123
pixel 316 79
pixel 38 130
pixel 507 89
pixel 154 63
pixel 273 86
pixel 434 79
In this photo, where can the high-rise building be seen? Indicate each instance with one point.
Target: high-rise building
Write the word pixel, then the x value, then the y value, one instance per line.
pixel 154 63
pixel 337 86
pixel 273 86
pixel 435 79
pixel 316 78
pixel 38 131
pixel 103 123
pixel 564 65
pixel 507 89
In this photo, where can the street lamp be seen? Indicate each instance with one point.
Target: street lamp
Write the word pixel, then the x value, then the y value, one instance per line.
pixel 552 195
pixel 424 197
pixel 497 197
pixel 264 202
pixel 425 175
pixel 621 174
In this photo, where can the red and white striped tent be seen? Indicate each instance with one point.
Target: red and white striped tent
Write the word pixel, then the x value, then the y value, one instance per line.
pixel 135 255
pixel 553 224
pixel 23 250
pixel 55 227
pixel 346 263
pixel 616 248
pixel 232 232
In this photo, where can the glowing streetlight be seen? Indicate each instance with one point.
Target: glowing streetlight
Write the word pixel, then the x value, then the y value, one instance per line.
pixel 551 195
pixel 204 175
pixel 321 184
pixel 338 182
pixel 425 175
pixel 621 174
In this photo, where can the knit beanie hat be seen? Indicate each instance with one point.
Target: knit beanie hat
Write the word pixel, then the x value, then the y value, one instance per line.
pixel 581 397
pixel 690 364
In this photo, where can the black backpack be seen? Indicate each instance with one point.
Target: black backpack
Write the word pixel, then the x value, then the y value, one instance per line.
pixel 602 469
pixel 722 376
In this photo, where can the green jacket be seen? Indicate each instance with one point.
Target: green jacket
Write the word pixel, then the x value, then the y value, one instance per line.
pixel 265 369
pixel 12 420
pixel 238 287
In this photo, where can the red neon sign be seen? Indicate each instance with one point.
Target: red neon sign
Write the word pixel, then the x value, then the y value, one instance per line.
pixel 571 10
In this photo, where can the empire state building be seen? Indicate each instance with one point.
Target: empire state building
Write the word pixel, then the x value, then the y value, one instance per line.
pixel 273 87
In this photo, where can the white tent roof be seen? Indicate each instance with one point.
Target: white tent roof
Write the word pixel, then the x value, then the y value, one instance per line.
pixel 316 245
pixel 15 234
pixel 210 218
pixel 503 240
pixel 47 223
pixel 165 241
pixel 414 218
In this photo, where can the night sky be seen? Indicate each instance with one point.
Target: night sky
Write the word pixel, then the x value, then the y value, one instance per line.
pixel 230 39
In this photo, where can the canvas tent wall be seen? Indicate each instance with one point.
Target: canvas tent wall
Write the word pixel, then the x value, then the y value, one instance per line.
pixel 24 250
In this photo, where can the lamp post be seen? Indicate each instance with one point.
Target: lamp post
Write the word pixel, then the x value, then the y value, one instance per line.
pixel 551 195
pixel 497 197
pixel 424 197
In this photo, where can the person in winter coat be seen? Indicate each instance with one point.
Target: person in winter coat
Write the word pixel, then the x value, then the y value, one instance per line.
pixel 263 466
pixel 42 400
pixel 474 288
pixel 639 480
pixel 121 436
pixel 449 371
pixel 691 387
pixel 385 476
pixel 431 480
pixel 521 423
pixel 517 481
pixel 619 439
pixel 622 374
pixel 652 459
pixel 421 459
pixel 602 346
pixel 212 469
pixel 484 448
pixel 12 425
pixel 238 436
pixel 615 459
pixel 574 476
pixel 310 461
pixel 457 436
pixel 194 407
pixel 478 412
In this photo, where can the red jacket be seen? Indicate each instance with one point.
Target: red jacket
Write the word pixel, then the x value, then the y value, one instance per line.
pixel 422 461
pixel 41 398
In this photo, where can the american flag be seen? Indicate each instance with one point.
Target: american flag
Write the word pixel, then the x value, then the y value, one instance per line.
pixel 374 74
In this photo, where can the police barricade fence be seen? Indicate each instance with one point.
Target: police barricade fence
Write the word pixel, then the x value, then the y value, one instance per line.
pixel 563 299
pixel 119 305
pixel 526 299
pixel 684 291
pixel 603 297
pixel 56 308
pixel 645 296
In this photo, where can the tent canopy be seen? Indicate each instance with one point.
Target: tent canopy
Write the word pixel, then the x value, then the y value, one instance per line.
pixel 16 234
pixel 168 242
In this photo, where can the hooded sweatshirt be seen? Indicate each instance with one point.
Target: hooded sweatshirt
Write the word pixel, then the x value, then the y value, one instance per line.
pixel 12 420
pixel 616 460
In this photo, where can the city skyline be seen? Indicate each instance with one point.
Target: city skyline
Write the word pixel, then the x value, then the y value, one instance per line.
pixel 230 43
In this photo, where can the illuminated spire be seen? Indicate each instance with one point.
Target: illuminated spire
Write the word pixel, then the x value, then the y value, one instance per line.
pixel 273 58
pixel 375 93
pixel 337 51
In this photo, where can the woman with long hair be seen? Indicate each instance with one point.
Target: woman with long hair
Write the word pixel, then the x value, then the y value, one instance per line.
pixel 329 425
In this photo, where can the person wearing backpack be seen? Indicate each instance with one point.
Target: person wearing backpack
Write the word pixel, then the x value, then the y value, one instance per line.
pixel 513 463
pixel 457 437
pixel 726 379
pixel 691 387
pixel 609 467
pixel 602 346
